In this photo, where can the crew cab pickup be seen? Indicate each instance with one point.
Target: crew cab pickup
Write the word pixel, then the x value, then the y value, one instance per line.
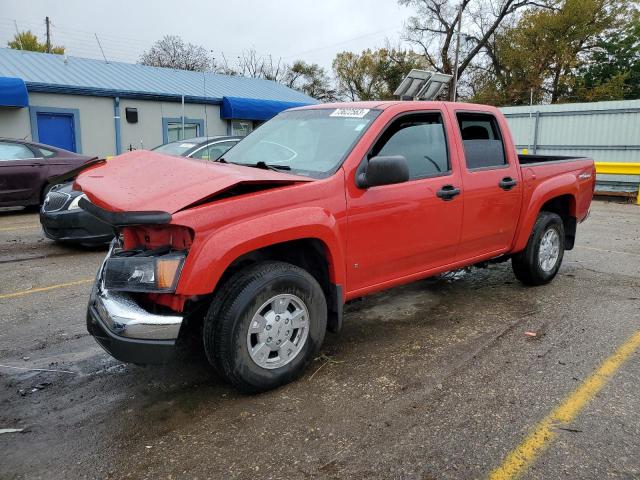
pixel 257 252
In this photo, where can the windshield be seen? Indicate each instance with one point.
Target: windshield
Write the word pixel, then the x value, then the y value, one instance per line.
pixel 178 148
pixel 309 142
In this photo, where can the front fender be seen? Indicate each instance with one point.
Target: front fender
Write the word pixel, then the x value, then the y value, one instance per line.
pixel 565 184
pixel 211 254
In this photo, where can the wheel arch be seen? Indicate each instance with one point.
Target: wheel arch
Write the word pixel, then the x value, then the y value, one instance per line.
pixel 305 237
pixel 557 195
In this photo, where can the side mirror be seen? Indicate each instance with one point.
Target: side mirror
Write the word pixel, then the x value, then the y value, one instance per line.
pixel 383 171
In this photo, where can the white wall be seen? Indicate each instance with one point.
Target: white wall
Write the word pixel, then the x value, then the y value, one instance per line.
pixel 14 123
pixel 97 131
pixel 147 133
pixel 97 125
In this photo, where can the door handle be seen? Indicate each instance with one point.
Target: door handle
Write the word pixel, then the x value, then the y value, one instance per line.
pixel 447 192
pixel 507 183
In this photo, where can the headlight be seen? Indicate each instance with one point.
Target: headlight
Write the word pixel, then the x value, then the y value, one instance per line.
pixel 74 203
pixel 144 274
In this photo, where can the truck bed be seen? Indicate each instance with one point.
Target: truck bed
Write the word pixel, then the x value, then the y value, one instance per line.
pixel 533 159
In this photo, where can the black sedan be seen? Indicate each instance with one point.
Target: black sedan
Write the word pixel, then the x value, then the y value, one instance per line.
pixel 64 221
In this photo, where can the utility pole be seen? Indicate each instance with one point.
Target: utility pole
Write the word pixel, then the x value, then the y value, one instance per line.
pixel 18 35
pixel 48 23
pixel 454 87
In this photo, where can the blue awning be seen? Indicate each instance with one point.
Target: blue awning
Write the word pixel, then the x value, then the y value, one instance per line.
pixel 13 93
pixel 253 108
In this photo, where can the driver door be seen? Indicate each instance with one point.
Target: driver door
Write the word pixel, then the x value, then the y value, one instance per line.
pixel 399 232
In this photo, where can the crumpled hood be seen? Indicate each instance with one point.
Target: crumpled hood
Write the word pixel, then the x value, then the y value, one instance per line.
pixel 149 181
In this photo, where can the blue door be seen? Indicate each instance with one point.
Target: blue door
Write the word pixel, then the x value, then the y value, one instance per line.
pixel 57 129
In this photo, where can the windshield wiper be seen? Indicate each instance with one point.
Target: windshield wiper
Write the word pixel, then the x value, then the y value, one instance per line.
pixel 268 166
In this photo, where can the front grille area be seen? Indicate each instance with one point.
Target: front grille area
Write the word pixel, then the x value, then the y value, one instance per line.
pixel 55 201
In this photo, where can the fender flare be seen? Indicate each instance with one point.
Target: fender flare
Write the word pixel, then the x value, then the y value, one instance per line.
pixel 211 254
pixel 549 189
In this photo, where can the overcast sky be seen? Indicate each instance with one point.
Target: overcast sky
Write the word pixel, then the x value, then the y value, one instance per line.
pixel 313 30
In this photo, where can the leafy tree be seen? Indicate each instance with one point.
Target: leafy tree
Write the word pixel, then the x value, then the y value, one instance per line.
pixel 28 41
pixel 545 52
pixel 613 68
pixel 373 74
pixel 311 79
pixel 173 52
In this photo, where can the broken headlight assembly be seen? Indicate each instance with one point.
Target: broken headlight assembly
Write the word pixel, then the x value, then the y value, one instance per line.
pixel 143 271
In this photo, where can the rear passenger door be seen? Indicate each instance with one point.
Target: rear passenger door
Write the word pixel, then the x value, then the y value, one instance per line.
pixel 492 191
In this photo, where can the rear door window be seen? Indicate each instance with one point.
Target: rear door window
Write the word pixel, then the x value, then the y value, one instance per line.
pixel 14 151
pixel 482 141
pixel 419 138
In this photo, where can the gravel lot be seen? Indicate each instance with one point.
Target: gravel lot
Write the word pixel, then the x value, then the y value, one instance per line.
pixel 436 379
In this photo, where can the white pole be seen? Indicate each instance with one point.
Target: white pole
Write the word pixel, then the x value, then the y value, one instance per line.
pixel 182 117
pixel 531 119
pixel 454 94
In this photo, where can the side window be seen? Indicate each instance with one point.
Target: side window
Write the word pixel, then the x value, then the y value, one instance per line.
pixel 213 152
pixel 483 146
pixel 14 151
pixel 242 128
pixel 174 131
pixel 47 153
pixel 421 140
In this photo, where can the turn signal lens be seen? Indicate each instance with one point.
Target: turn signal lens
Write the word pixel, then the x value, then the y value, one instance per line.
pixel 167 270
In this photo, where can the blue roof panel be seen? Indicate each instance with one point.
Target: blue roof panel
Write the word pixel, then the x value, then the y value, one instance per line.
pixel 55 73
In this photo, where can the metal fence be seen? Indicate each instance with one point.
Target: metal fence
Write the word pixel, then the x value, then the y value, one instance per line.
pixel 604 131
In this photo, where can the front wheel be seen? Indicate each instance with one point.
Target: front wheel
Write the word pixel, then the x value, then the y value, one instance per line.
pixel 540 261
pixel 265 326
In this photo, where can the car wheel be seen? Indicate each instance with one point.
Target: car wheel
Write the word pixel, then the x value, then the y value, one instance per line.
pixel 265 326
pixel 540 261
pixel 47 188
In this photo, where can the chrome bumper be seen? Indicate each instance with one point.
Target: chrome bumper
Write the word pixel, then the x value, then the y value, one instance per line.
pixel 126 330
pixel 125 318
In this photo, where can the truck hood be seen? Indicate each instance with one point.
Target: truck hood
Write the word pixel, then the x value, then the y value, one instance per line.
pixel 141 181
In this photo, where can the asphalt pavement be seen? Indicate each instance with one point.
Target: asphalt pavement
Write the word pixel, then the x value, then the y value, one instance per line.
pixel 468 375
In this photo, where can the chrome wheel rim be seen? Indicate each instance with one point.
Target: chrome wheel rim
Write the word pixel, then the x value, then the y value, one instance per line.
pixel 549 250
pixel 278 331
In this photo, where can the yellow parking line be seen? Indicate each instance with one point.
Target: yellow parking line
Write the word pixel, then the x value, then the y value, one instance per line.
pixel 538 440
pixel 10 229
pixel 45 289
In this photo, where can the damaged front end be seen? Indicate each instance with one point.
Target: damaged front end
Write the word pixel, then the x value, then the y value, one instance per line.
pixel 133 310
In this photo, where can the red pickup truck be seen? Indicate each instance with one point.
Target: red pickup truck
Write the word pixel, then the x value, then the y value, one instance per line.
pixel 258 252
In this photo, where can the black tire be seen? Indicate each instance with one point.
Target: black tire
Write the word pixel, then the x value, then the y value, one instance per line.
pixel 526 264
pixel 47 188
pixel 227 322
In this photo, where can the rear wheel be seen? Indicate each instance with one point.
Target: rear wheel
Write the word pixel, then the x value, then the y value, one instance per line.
pixel 540 261
pixel 265 326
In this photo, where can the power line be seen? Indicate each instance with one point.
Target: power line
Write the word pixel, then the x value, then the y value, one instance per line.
pixel 342 42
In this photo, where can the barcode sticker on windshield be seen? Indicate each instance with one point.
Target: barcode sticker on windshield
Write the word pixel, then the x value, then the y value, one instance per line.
pixel 350 112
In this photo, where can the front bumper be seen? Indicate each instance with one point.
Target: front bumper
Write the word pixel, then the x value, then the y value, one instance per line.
pixel 75 226
pixel 129 332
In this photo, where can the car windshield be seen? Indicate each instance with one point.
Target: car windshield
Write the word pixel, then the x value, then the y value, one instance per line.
pixel 310 142
pixel 178 148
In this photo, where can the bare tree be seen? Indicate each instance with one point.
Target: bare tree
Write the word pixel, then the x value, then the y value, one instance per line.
pixel 253 65
pixel 311 79
pixel 435 25
pixel 173 52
